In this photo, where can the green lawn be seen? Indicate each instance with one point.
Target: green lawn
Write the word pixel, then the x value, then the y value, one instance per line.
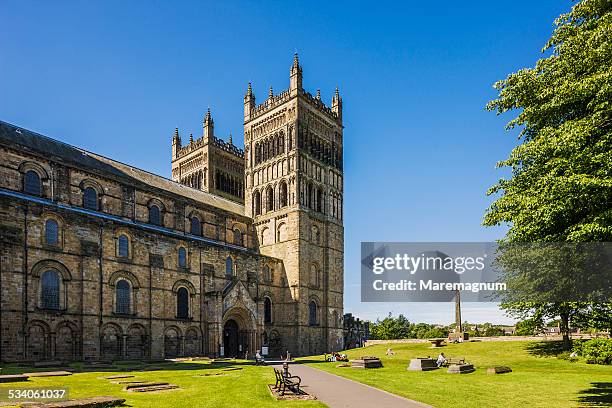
pixel 538 379
pixel 240 388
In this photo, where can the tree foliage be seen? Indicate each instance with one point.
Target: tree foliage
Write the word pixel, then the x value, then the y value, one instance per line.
pixel 561 184
pixel 560 187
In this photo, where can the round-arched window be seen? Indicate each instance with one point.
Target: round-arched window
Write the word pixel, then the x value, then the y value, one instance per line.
pixel 123 249
pixel 90 198
pixel 182 257
pixel 154 215
pixel 196 226
pixel 229 267
pixel 50 290
pixel 51 232
pixel 182 303
pixel 312 313
pixel 31 183
pixel 123 297
pixel 267 310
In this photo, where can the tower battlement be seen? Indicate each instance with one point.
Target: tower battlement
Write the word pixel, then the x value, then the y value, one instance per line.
pixel 253 111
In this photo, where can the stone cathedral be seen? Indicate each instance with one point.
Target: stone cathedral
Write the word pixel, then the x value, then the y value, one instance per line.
pixel 241 251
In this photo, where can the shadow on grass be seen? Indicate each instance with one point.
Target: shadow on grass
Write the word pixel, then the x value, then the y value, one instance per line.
pixel 125 368
pixel 545 348
pixel 599 395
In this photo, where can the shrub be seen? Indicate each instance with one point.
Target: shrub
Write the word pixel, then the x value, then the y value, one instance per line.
pixel 566 355
pixel 596 351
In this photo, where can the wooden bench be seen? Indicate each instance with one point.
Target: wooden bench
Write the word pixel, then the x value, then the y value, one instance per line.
pixel 287 381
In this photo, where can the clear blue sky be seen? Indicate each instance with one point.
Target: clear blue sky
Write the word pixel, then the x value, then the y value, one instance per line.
pixel 117 77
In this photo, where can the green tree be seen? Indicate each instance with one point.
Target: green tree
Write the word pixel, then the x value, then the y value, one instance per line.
pixel 560 187
pixel 391 328
pixel 527 327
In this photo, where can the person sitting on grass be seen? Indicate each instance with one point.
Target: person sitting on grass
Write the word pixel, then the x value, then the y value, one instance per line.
pixel 441 360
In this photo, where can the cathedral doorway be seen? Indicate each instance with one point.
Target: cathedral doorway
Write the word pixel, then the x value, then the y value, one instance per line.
pixel 231 338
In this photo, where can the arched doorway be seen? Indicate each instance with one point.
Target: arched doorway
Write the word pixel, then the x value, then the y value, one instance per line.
pixel 230 338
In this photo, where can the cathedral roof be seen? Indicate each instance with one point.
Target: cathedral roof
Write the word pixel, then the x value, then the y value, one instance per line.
pixel 14 136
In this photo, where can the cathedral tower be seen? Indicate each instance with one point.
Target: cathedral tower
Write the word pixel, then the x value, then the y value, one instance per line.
pixel 294 193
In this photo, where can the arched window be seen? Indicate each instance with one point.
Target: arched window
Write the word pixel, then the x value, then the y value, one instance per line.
pixel 182 257
pixel 51 232
pixel 123 245
pixel 90 198
pixel 269 199
pixel 182 303
pixel 312 313
pixel 267 310
pixel 257 203
pixel 123 297
pixel 237 237
pixel 314 275
pixel 282 194
pixel 229 267
pixel 31 183
pixel 50 290
pixel 154 215
pixel 267 274
pixel 196 226
pixel 319 200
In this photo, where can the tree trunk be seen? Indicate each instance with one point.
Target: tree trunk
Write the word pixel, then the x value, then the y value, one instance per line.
pixel 565 331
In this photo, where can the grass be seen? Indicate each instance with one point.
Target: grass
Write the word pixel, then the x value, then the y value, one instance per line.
pixel 240 388
pixel 538 380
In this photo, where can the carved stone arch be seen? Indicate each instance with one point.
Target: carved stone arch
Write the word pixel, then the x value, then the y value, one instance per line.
pixel 186 284
pixel 27 165
pixel 67 323
pixel 193 347
pixel 88 182
pixel 129 276
pixel 137 342
pixel 38 340
pixel 111 340
pixel 46 264
pixel 237 226
pixel 157 202
pixel 315 274
pixel 172 341
pixel 66 341
pixel 281 232
pixel 195 213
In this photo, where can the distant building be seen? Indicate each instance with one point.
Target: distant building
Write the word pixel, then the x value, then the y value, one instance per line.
pixel 356 332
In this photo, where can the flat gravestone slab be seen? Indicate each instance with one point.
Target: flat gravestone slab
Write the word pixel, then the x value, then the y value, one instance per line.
pixel 422 364
pixel 499 370
pixel 116 377
pixel 146 384
pixel 461 369
pixel 13 378
pixel 94 402
pixel 154 388
pixel 48 374
pixel 367 362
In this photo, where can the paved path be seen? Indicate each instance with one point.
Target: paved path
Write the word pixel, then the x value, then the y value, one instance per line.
pixel 339 392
